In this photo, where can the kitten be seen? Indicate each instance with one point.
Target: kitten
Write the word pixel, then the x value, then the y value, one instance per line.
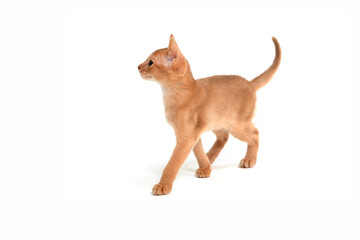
pixel 222 104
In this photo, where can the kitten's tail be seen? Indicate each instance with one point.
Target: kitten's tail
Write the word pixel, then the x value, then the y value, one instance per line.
pixel 265 77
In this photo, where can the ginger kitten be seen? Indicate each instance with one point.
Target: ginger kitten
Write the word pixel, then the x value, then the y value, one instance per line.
pixel 222 104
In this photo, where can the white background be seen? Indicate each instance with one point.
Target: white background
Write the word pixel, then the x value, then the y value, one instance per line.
pixel 84 138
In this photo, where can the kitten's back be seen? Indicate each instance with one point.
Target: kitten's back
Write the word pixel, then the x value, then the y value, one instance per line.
pixel 229 96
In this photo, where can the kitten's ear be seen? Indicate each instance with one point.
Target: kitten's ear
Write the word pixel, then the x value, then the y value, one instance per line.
pixel 173 47
pixel 175 58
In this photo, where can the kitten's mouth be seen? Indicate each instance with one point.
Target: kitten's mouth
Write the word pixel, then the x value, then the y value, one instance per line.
pixel 145 74
pixel 147 77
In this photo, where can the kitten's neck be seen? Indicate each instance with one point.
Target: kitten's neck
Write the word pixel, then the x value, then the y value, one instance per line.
pixel 179 93
pixel 178 90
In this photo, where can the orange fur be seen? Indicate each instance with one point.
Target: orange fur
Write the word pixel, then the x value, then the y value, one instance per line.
pixel 222 104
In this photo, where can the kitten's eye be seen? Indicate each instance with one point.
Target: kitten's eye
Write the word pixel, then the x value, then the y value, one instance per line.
pixel 151 63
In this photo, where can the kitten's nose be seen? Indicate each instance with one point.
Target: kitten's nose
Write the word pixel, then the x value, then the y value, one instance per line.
pixel 139 67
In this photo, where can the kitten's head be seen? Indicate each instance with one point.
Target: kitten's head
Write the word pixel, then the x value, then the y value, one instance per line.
pixel 165 65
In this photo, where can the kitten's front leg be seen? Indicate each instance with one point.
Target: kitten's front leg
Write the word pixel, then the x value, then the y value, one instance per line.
pixel 179 155
pixel 204 169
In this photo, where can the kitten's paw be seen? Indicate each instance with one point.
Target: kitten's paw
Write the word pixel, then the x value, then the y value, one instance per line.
pixel 247 163
pixel 161 189
pixel 203 172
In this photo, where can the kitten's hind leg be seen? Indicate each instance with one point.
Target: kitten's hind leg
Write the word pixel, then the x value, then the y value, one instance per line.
pixel 221 138
pixel 204 169
pixel 248 133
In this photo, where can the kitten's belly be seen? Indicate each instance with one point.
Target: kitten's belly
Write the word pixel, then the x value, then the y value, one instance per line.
pixel 219 122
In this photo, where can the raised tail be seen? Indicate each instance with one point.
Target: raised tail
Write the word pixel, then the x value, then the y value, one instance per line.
pixel 265 77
